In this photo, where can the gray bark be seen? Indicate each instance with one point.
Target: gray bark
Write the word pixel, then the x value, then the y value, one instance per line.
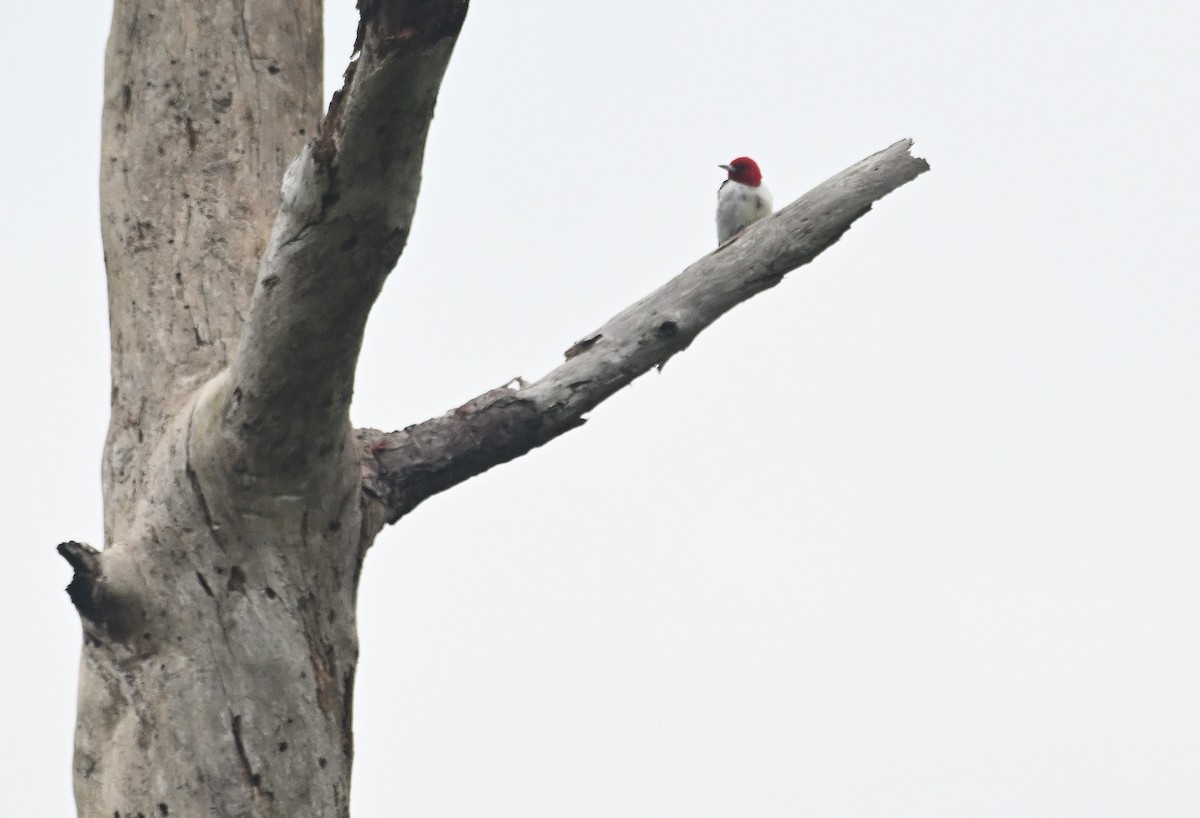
pixel 218 664
pixel 217 671
pixel 403 468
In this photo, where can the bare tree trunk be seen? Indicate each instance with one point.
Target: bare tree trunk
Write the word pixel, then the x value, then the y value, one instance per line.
pixel 217 673
pixel 218 667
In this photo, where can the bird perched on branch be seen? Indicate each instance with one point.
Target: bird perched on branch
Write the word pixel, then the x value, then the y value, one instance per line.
pixel 742 199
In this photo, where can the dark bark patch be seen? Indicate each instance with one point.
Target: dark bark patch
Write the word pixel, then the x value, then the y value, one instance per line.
pixel 667 329
pixel 321 657
pixel 237 580
pixel 202 501
pixel 326 145
pixel 162 809
pixel 270 592
pixel 580 347
pixel 204 583
pixel 253 778
pixel 140 236
pixel 83 590
pixel 348 713
pixel 390 26
pixel 193 138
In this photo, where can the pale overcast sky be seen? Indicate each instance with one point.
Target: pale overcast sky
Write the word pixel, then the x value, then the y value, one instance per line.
pixel 916 533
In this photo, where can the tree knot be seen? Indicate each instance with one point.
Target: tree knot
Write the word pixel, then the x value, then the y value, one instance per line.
pixel 84 588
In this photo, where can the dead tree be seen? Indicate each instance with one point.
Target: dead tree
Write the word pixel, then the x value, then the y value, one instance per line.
pixel 244 249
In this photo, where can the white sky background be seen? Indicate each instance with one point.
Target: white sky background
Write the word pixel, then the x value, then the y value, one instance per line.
pixel 914 534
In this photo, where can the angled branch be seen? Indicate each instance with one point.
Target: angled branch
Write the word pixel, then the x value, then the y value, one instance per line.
pixel 403 468
pixel 347 205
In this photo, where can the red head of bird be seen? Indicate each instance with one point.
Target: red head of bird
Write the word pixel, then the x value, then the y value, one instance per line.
pixel 744 170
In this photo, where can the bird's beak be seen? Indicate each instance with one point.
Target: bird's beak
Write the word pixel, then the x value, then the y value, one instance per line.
pixel 728 168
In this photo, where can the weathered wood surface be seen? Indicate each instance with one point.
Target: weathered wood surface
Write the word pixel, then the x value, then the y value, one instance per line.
pixel 403 468
pixel 246 240
pixel 220 646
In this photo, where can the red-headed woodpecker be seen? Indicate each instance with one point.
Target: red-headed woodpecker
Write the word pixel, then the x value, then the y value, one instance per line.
pixel 742 198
